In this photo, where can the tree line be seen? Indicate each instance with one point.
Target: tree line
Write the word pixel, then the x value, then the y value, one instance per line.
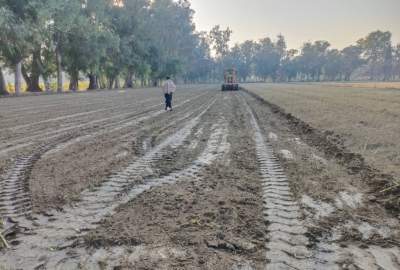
pixel 104 41
pixel 120 43
pixel 371 58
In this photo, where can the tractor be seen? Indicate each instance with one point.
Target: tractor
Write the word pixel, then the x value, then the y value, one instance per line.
pixel 230 80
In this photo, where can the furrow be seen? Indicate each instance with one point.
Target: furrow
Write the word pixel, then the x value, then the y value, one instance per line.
pixel 75 221
pixel 15 185
pixel 107 124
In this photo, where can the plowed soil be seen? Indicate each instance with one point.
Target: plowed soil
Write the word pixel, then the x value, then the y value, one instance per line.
pixel 109 180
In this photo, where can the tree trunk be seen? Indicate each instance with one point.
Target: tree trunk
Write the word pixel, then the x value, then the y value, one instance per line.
pixel 47 86
pixel 93 82
pixel 102 82
pixel 128 80
pixel 110 83
pixel 73 83
pixel 60 79
pixel 155 83
pixel 18 78
pixel 117 83
pixel 98 81
pixel 3 86
pixel 34 79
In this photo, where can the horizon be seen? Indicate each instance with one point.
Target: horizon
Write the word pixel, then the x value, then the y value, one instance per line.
pixel 270 19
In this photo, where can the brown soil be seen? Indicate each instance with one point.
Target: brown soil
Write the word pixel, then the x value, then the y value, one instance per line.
pixel 213 217
pixel 333 147
pixel 322 168
pixel 59 178
pixel 215 222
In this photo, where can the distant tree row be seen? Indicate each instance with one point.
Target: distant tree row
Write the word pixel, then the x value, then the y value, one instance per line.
pixel 373 58
pixel 104 41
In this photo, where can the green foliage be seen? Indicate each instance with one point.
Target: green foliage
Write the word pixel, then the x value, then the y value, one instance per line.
pixel 271 60
pixel 377 48
pixel 146 40
pixel 99 38
pixel 220 40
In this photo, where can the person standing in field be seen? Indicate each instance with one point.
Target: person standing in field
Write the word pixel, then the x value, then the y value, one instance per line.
pixel 168 88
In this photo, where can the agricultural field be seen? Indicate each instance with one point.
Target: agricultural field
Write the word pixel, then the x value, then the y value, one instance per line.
pixel 109 180
pixel 367 120
pixel 363 84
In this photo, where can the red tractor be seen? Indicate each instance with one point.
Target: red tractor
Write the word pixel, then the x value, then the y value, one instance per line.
pixel 230 80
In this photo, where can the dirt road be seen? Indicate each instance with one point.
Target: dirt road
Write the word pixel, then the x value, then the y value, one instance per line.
pixel 108 180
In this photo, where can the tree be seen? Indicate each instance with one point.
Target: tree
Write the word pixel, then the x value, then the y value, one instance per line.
pixel 377 52
pixel 200 62
pixel 15 35
pixel 388 61
pixel 3 86
pixel 281 47
pixel 351 60
pixel 333 65
pixel 267 59
pixel 396 60
pixel 128 22
pixel 33 15
pixel 247 54
pixel 60 27
pixel 170 50
pixel 220 40
pixel 313 59
pixel 289 65
pixel 3 20
pixel 90 44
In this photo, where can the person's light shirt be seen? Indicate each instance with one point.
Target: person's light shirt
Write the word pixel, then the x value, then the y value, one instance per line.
pixel 169 87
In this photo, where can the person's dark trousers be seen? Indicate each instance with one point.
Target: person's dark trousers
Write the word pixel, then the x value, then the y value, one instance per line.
pixel 168 101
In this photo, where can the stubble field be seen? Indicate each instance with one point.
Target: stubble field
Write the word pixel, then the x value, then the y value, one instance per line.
pixel 367 120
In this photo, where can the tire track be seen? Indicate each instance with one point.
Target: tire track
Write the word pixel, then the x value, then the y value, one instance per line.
pixel 118 182
pixel 94 124
pixel 62 232
pixel 114 127
pixel 287 245
pixel 16 200
pixel 331 255
pixel 20 107
pixel 217 147
pixel 10 118
pixel 75 115
pixel 15 197
pixel 106 106
pixel 27 141
pixel 73 126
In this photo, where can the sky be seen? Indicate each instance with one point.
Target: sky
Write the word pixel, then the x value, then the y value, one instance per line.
pixel 341 22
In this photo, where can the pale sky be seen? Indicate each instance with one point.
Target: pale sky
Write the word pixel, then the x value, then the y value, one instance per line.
pixel 341 22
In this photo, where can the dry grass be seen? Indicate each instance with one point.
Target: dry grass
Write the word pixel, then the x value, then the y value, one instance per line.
pixel 368 119
pixel 375 85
